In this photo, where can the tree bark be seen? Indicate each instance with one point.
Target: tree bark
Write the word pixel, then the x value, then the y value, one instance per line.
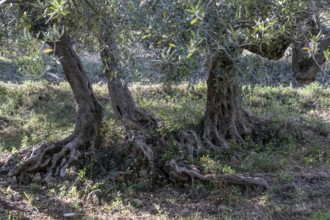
pixel 141 156
pixel 183 173
pixel 275 49
pixel 307 64
pixel 52 159
pixel 122 101
pixel 224 116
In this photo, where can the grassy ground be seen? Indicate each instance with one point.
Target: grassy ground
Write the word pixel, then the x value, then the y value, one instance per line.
pixel 289 148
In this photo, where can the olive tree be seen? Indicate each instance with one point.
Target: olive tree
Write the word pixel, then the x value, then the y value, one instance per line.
pixel 180 32
pixel 219 31
pixel 55 20
pixel 52 159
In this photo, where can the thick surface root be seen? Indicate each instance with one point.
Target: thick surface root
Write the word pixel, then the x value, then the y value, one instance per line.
pixel 217 132
pixel 134 159
pixel 184 172
pixel 50 159
pixel 139 145
pixel 189 141
pixel 181 174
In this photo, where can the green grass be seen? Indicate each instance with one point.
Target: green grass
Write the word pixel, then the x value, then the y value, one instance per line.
pixel 34 112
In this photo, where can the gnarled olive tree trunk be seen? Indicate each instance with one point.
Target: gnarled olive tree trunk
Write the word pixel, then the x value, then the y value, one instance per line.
pixel 52 159
pixel 224 117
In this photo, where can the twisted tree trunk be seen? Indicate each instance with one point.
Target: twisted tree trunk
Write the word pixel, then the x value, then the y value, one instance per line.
pixel 52 159
pixel 224 117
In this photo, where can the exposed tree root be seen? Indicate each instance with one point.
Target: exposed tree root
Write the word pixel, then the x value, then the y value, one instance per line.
pixel 181 174
pixel 189 141
pixel 139 144
pixel 51 159
pixel 135 159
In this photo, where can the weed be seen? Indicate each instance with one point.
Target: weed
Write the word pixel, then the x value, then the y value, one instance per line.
pixel 14 215
pixel 321 216
pixel 115 204
pixel 75 205
pixel 30 198
pixel 284 176
pixel 266 162
pixel 34 187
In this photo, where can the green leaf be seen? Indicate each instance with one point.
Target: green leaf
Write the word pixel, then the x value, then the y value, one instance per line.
pixel 326 54
pixel 194 21
pixel 48 50
pixel 190 54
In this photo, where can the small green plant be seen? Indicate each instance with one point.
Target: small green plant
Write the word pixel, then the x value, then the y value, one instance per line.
pixel 73 191
pixel 34 187
pixel 30 198
pixel 284 176
pixel 115 204
pixel 75 205
pixel 209 164
pixel 227 169
pixel 14 216
pixel 323 215
pixel 262 161
pixel 63 190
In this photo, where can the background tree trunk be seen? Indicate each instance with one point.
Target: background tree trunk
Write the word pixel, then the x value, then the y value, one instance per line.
pixel 306 64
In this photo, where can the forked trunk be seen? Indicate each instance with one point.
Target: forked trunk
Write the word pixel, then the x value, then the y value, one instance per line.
pixel 53 159
pixel 224 116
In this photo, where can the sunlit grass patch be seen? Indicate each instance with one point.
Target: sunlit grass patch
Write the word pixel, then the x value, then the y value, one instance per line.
pixel 181 109
pixel 34 112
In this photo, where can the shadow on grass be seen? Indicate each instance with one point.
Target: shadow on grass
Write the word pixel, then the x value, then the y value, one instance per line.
pixel 36 201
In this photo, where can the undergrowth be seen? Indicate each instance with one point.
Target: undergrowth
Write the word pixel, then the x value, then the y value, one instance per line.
pixel 289 147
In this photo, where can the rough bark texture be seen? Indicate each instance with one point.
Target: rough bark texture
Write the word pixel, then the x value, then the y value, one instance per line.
pixel 224 117
pixel 272 50
pixel 305 64
pixel 181 174
pixel 121 98
pixel 140 126
pixel 53 159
